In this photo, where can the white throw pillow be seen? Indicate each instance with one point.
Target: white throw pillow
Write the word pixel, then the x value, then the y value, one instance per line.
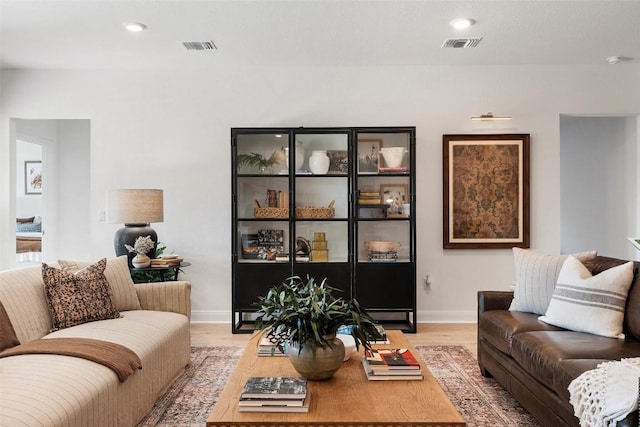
pixel 536 277
pixel 592 304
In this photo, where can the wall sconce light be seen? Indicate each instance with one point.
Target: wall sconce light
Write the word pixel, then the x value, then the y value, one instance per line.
pixel 136 209
pixel 490 117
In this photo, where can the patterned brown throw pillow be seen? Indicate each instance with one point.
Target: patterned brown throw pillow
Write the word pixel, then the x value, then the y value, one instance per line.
pixel 78 298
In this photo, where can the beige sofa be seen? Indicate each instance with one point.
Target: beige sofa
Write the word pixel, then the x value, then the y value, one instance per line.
pixel 54 390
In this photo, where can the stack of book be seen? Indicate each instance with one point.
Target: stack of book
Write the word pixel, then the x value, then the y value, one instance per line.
pixel 274 394
pixel 368 197
pixel 391 364
pixel 166 261
pixel 267 347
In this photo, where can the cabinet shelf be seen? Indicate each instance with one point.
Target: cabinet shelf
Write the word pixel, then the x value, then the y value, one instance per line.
pixel 336 244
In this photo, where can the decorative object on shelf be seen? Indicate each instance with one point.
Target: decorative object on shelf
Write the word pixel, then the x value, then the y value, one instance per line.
pixel 368 155
pixel 319 162
pixel 395 196
pixel 272 198
pixel 260 212
pixel 303 249
pixel 136 208
pixel 319 250
pixel 382 250
pixel 316 212
pixel 392 156
pixel 250 246
pixel 338 162
pixel 261 163
pixel 369 197
pixel 141 247
pixel 485 191
pixel 270 244
pixel 304 317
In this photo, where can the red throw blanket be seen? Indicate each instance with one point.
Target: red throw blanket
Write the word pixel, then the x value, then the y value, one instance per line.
pixel 118 358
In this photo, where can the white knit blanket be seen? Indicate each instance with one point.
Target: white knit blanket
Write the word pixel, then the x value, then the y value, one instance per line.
pixel 605 395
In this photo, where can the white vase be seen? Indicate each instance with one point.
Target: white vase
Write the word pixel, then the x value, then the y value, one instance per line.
pixel 141 261
pixel 319 162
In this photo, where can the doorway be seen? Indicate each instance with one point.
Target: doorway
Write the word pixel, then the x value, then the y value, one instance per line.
pixel 599 184
pixel 64 202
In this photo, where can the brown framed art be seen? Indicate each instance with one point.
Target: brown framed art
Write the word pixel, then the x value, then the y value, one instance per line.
pixel 485 191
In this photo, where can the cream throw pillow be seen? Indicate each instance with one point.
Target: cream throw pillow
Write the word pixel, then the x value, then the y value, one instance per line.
pixel 536 277
pixel 592 304
pixel 118 275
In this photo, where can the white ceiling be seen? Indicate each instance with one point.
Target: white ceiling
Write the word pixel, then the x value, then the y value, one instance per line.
pixel 89 33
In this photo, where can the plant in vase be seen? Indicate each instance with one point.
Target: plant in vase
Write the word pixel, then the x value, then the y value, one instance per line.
pixel 302 318
pixel 260 162
pixel 141 246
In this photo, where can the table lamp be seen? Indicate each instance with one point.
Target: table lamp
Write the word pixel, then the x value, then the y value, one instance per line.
pixel 136 209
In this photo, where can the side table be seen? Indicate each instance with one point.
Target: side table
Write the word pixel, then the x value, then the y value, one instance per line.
pixel 156 274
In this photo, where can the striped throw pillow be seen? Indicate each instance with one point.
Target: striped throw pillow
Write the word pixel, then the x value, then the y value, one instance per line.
pixel 536 277
pixel 592 304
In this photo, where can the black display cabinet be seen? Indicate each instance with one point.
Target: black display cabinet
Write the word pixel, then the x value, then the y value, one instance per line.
pixel 334 203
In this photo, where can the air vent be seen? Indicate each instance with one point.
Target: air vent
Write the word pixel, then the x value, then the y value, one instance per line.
pixel 208 45
pixel 461 43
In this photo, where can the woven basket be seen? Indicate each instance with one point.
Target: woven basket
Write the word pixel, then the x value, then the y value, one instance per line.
pixel 316 212
pixel 260 212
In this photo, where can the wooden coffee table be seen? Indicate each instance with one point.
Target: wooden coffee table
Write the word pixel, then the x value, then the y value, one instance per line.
pixel 347 399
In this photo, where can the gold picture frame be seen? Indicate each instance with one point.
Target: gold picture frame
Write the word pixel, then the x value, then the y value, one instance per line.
pixel 486 191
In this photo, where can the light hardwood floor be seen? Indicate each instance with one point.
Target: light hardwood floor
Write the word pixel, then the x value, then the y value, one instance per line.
pixel 209 334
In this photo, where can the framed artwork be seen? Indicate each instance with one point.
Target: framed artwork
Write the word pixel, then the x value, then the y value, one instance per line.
pixel 368 155
pixel 33 177
pixel 338 162
pixel 485 191
pixel 396 197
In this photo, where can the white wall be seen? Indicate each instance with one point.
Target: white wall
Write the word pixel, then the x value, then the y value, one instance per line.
pixel 171 129
pixel 599 191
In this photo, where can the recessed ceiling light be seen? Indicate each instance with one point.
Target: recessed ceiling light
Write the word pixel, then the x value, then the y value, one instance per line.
pixel 135 27
pixel 462 23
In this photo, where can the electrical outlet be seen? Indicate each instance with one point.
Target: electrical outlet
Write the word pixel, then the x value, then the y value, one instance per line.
pixel 101 214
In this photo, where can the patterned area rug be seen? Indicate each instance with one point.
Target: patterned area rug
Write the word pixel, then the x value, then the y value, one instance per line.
pixel 481 401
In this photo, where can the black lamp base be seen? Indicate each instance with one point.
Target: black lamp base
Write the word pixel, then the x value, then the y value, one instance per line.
pixel 128 235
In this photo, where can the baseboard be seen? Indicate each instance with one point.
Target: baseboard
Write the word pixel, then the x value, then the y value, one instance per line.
pixel 205 316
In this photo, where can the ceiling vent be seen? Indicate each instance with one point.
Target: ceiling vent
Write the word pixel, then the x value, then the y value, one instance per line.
pixel 461 43
pixel 208 45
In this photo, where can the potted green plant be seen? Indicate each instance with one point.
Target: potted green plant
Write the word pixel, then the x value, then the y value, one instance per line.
pixel 302 318
pixel 259 161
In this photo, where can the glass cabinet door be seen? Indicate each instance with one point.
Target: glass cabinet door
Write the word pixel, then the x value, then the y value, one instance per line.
pixel 261 197
pixel 322 197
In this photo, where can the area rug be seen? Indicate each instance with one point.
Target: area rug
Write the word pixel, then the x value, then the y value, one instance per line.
pixel 481 401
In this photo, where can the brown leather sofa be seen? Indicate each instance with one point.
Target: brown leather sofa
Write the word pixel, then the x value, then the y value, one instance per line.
pixel 536 361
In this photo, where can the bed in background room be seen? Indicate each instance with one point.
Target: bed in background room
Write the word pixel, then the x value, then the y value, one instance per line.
pixel 28 239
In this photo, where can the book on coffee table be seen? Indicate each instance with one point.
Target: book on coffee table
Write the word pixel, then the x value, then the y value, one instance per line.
pixel 302 407
pixel 391 358
pixel 391 375
pixel 274 388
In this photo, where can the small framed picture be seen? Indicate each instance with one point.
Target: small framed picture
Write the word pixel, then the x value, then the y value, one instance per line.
pixel 368 155
pixel 396 197
pixel 338 162
pixel 33 177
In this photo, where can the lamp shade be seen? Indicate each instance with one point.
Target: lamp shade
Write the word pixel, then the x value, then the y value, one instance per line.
pixel 135 206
